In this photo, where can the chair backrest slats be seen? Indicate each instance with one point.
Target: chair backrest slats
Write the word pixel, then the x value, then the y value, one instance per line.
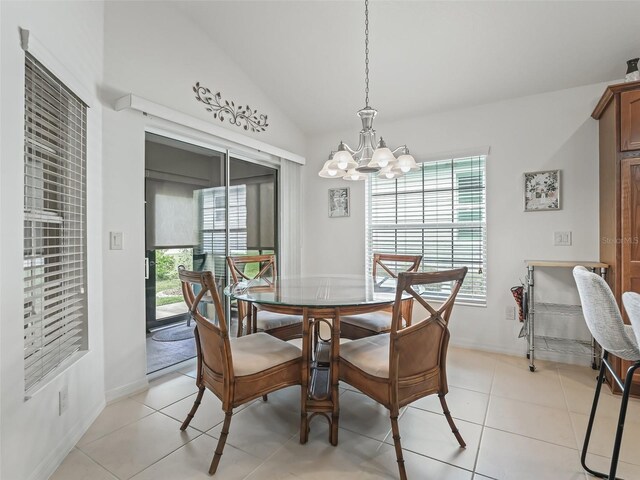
pixel 267 270
pixel 421 347
pixel 267 266
pixel 412 263
pixel 212 338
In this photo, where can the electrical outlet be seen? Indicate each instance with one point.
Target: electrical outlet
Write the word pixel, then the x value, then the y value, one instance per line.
pixel 509 313
pixel 562 239
pixel 63 400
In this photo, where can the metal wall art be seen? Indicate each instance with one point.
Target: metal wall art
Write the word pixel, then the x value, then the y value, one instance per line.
pixel 242 116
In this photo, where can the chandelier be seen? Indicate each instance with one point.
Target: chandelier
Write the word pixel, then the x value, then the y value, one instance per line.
pixel 371 156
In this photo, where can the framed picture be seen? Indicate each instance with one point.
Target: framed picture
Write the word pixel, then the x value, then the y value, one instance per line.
pixel 542 191
pixel 339 202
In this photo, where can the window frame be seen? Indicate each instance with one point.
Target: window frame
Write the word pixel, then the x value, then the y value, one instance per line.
pixel 478 300
pixel 66 175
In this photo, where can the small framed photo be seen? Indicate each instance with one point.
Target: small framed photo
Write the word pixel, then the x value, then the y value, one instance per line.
pixel 339 202
pixel 542 191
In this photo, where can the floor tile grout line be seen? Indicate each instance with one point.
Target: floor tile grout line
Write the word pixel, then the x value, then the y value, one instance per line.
pixel 284 444
pixel 77 445
pixel 436 459
pixel 571 420
pixel 165 456
pixel 190 426
pixel 96 462
pixel 112 473
pixel 165 406
pixel 484 421
pixel 530 438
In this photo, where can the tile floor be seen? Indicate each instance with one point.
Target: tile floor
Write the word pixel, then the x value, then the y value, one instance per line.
pixel 517 425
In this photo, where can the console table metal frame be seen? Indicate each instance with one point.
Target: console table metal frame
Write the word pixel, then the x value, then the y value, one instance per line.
pixel 558 345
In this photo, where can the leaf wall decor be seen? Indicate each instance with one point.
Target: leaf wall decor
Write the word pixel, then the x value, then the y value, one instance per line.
pixel 242 116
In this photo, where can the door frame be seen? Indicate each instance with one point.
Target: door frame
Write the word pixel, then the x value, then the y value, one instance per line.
pixel 187 135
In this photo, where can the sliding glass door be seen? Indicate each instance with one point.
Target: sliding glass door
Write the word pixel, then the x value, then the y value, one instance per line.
pixel 201 205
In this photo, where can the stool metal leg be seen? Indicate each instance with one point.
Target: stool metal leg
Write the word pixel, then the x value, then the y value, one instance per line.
pixel 623 413
pixel 626 390
pixel 592 416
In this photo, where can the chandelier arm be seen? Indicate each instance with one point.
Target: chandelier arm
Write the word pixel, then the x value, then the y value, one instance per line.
pixel 349 149
pixel 399 149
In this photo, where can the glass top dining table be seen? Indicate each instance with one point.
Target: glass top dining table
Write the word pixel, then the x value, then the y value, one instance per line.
pixel 330 291
pixel 318 300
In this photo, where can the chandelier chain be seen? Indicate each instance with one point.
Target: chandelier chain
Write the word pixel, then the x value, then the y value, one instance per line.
pixel 366 52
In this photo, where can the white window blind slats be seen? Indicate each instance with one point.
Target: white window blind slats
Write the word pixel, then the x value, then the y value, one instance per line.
pixel 52 94
pixel 50 333
pixel 437 211
pixel 47 358
pixel 54 222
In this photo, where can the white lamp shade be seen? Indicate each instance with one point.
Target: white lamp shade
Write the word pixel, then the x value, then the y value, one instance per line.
pixel 329 170
pixel 343 160
pixel 406 162
pixel 389 173
pixel 353 175
pixel 382 157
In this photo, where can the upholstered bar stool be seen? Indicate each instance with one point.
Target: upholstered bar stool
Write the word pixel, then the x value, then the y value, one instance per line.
pixel 605 322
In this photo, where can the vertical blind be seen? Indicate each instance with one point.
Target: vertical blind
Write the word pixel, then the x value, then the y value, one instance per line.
pixel 55 299
pixel 438 211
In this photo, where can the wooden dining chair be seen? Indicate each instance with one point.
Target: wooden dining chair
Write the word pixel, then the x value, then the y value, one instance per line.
pixel 408 363
pixel 284 327
pixel 236 370
pixel 375 323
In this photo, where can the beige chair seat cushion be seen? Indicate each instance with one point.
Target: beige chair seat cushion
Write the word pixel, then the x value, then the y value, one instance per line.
pixel 370 354
pixel 260 351
pixel 270 320
pixel 374 321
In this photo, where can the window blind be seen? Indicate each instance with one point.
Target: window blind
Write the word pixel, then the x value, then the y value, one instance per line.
pixel 439 211
pixel 213 224
pixel 55 298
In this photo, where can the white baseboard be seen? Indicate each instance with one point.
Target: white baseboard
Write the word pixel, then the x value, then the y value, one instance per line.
pixel 118 393
pixel 51 462
pixel 516 350
pixel 519 349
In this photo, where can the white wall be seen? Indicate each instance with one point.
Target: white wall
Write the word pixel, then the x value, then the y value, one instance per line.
pixel 153 51
pixel 34 438
pixel 549 131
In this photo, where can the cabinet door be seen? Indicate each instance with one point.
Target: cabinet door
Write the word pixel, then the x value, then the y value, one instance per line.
pixel 630 241
pixel 630 120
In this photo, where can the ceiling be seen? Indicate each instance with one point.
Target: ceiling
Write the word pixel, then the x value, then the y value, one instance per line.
pixel 426 57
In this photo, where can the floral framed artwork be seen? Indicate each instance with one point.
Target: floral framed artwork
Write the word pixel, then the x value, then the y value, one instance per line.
pixel 339 202
pixel 542 191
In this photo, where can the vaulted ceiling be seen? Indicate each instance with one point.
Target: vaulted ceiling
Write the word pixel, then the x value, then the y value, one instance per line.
pixel 426 56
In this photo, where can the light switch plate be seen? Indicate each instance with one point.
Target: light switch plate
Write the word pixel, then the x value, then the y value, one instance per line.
pixel 115 240
pixel 562 239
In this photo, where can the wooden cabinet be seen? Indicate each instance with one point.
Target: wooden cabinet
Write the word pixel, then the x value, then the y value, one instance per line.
pixel 618 114
pixel 630 120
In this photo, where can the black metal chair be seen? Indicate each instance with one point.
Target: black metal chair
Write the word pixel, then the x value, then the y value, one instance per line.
pixel 605 322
